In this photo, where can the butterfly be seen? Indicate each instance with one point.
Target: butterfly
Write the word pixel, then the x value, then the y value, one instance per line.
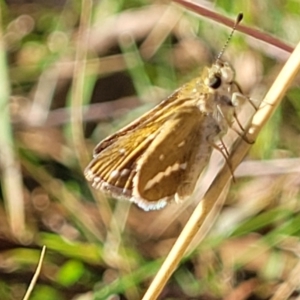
pixel 159 157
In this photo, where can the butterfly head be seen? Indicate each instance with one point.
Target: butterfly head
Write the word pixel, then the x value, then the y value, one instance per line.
pixel 220 73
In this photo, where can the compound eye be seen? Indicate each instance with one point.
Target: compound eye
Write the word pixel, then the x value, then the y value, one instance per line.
pixel 215 82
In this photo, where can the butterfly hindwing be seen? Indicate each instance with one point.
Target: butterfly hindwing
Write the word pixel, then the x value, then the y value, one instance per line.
pixel 176 172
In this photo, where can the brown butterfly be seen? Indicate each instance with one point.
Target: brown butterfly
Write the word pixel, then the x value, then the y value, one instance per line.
pixel 160 156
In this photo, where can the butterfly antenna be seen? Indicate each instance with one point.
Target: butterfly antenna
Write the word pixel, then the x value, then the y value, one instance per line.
pixel 237 21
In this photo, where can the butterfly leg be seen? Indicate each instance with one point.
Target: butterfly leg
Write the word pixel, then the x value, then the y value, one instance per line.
pixel 225 122
pixel 242 135
pixel 235 102
pixel 224 151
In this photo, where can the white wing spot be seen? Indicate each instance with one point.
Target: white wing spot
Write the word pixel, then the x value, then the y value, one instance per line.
pixel 114 174
pixel 181 144
pixel 183 166
pixel 161 157
pixel 151 136
pixel 122 151
pixel 124 172
pixel 160 175
pixel 97 179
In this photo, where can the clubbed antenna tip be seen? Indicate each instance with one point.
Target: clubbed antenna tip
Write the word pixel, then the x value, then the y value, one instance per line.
pixel 239 18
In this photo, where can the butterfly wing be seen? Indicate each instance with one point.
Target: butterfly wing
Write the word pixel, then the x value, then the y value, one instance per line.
pixel 113 168
pixel 157 114
pixel 114 163
pixel 164 171
pixel 146 167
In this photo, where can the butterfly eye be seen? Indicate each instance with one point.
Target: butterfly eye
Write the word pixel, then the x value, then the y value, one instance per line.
pixel 215 82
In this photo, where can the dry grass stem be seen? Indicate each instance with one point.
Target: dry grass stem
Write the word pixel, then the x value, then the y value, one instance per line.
pixel 78 86
pixel 11 177
pixel 36 274
pixel 255 33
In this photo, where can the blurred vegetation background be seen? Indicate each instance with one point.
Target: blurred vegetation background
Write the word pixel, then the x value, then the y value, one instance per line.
pixel 73 72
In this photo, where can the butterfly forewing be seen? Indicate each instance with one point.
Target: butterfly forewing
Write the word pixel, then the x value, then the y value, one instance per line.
pixel 154 115
pixel 114 164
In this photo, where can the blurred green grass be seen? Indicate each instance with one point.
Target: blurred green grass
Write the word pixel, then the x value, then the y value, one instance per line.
pixel 138 52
